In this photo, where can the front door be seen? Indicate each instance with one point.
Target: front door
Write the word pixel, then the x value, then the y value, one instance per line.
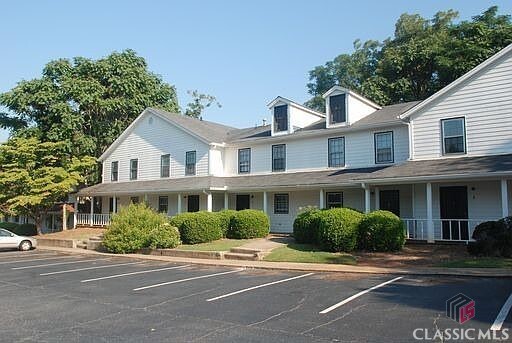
pixel 243 202
pixel 389 200
pixel 193 203
pixel 454 205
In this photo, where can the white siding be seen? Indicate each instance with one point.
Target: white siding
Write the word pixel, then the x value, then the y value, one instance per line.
pixel 357 109
pixel 147 142
pixel 485 100
pixel 216 162
pixel 300 118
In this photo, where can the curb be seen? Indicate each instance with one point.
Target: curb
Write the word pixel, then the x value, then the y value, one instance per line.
pixel 311 267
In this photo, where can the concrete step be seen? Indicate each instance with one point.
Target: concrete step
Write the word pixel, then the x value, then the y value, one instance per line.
pixel 81 245
pixel 240 256
pixel 242 250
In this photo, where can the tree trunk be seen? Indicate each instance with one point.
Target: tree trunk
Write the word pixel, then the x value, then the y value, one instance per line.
pixel 39 224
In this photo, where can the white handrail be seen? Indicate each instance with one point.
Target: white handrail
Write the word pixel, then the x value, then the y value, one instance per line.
pixel 444 229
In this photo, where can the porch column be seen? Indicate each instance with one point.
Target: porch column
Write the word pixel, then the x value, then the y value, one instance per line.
pixel 367 199
pixel 64 218
pixel 114 204
pixel 322 199
pixel 209 202
pixel 504 198
pixel 430 223
pixel 146 199
pixel 377 198
pixel 179 202
pixel 265 202
pixel 226 200
pixel 75 213
pixel 92 211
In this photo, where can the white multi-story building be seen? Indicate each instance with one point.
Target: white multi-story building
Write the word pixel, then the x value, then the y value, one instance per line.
pixel 443 164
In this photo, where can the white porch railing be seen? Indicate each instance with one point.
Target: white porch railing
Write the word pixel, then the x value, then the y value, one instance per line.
pixel 459 230
pixel 97 219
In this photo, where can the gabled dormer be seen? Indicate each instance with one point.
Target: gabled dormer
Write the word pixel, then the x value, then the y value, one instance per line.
pixel 344 107
pixel 288 116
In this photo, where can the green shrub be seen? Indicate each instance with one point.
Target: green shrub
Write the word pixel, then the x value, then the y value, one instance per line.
pixel 179 218
pixel 198 227
pixel 164 236
pixel 9 226
pixel 337 230
pixel 225 217
pixel 133 227
pixel 25 230
pixel 492 238
pixel 381 231
pixel 305 226
pixel 249 224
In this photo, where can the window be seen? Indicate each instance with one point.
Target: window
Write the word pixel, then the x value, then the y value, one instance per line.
pixel 337 109
pixel 4 233
pixel 336 152
pixel 281 118
pixel 111 205
pixel 190 163
pixel 243 202
pixel 134 166
pixel 134 200
pixel 165 165
pixel 279 157
pixel 384 147
pixel 454 136
pixel 163 204
pixel 114 171
pixel 244 160
pixel 334 199
pixel 281 203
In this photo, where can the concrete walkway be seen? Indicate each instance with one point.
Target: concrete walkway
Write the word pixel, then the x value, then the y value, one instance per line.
pixel 315 267
pixel 266 245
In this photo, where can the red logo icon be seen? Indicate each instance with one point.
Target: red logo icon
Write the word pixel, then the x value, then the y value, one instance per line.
pixel 460 308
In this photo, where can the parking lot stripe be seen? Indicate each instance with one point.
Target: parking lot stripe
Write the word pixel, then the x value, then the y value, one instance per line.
pixel 341 303
pixel 134 273
pixel 90 268
pixel 498 323
pixel 58 263
pixel 259 286
pixel 3 258
pixel 187 279
pixel 37 259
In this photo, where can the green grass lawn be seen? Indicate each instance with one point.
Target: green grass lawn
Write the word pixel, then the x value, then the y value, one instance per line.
pixel 478 262
pixel 308 253
pixel 220 245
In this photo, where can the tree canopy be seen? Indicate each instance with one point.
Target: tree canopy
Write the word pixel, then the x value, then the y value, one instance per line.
pixel 35 175
pixel 423 56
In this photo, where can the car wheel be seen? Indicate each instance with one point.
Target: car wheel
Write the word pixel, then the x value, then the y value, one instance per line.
pixel 25 246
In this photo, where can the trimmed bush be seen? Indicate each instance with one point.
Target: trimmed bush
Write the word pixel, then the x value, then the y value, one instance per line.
pixel 249 224
pixel 138 226
pixel 198 227
pixel 25 230
pixel 381 231
pixel 492 238
pixel 305 226
pixel 225 217
pixel 338 229
pixel 9 226
pixel 164 236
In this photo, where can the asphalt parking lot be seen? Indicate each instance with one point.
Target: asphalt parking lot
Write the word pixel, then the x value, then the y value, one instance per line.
pixel 53 297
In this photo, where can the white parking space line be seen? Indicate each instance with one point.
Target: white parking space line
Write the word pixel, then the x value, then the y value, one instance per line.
pixel 59 263
pixel 498 323
pixel 259 286
pixel 3 258
pixel 134 273
pixel 37 259
pixel 355 296
pixel 187 279
pixel 90 268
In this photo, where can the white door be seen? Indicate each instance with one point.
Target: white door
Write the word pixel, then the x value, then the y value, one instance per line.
pixel 7 239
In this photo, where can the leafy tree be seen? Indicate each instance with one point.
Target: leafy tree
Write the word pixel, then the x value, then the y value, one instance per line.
pixel 199 103
pixel 423 56
pixel 34 175
pixel 85 103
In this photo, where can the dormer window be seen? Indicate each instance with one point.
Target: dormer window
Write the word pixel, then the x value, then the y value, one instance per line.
pixel 281 118
pixel 337 109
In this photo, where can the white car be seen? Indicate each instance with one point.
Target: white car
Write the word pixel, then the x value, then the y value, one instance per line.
pixel 11 240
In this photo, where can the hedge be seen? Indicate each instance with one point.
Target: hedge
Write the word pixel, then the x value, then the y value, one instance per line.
pixel 198 227
pixel 338 229
pixel 492 238
pixel 225 218
pixel 305 226
pixel 9 226
pixel 249 224
pixel 20 229
pixel 381 231
pixel 137 226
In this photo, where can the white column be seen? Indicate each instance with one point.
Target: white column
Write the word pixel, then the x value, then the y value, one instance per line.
pixel 64 218
pixel 114 204
pixel 377 198
pixel 504 198
pixel 179 202
pixel 92 211
pixel 367 199
pixel 146 199
pixel 430 223
pixel 226 200
pixel 322 199
pixel 265 202
pixel 75 213
pixel 209 202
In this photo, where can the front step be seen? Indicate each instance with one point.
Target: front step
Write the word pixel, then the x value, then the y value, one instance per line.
pixel 81 244
pixel 241 256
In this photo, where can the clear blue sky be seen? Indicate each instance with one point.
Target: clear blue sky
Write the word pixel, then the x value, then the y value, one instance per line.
pixel 243 52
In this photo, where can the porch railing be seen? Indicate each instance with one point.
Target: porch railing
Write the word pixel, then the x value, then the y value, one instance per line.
pixel 97 219
pixel 460 230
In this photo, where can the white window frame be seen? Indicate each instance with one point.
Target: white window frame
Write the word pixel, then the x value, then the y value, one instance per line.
pixel 329 153
pixel 443 136
pixel 376 148
pixel 282 211
pixel 248 162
